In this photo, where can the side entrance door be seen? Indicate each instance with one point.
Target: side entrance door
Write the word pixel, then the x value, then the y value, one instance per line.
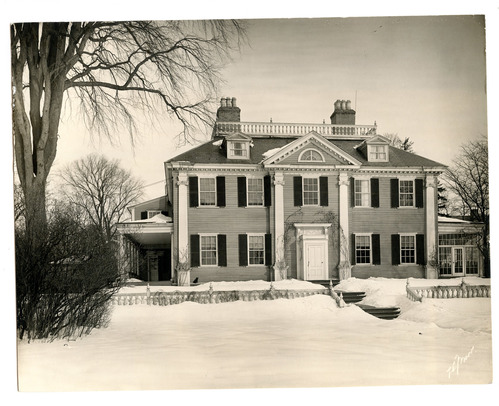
pixel 315 259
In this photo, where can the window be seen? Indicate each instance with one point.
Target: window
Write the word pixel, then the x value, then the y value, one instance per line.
pixel 311 155
pixel 378 153
pixel 256 250
pixel 207 192
pixel 152 213
pixel 208 250
pixel 255 191
pixel 310 191
pixel 407 249
pixel 362 193
pixel 362 249
pixel 238 149
pixel 406 193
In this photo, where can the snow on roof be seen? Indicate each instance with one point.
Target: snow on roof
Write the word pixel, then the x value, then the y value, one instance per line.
pixel 442 219
pixel 218 143
pixel 270 152
pixel 158 218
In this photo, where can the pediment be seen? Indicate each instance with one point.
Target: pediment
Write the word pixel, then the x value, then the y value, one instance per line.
pixel 377 139
pixel 311 149
pixel 237 136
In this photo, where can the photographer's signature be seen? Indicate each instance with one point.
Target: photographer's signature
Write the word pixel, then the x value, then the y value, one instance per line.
pixel 458 361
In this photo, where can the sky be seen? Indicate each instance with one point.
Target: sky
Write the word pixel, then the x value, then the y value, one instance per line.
pixel 418 77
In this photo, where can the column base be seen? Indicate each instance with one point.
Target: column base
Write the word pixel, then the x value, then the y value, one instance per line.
pixel 345 270
pixel 431 272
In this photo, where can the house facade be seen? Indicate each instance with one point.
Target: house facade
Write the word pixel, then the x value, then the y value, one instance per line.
pixel 281 200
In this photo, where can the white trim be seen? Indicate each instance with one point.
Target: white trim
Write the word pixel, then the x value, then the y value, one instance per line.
pixel 199 191
pixel 308 176
pixel 201 235
pixel 248 235
pixel 413 180
pixel 415 248
pixel 248 177
pixel 300 159
pixel 374 146
pixel 370 235
pixel 230 147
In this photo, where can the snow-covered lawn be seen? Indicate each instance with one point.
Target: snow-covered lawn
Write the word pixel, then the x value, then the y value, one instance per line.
pixel 284 343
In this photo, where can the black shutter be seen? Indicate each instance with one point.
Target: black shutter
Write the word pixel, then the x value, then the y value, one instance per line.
pixel 374 192
pixel 194 250
pixel 243 250
pixel 297 194
pixel 353 253
pixel 419 193
pixel 221 191
pixel 268 249
pixel 376 249
pixel 420 250
pixel 193 191
pixel 395 249
pixel 164 212
pixel 394 192
pixel 222 249
pixel 267 197
pixel 323 187
pixel 143 215
pixel 241 191
pixel 352 192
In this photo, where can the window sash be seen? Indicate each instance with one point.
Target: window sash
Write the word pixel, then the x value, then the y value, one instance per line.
pixel 238 149
pixel 311 155
pixel 406 193
pixel 363 249
pixel 407 249
pixel 377 152
pixel 255 191
pixel 208 249
pixel 362 193
pixel 207 192
pixel 310 191
pixel 256 250
pixel 152 213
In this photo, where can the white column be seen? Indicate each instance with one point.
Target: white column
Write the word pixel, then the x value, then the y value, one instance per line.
pixel 183 225
pixel 344 267
pixel 279 226
pixel 431 227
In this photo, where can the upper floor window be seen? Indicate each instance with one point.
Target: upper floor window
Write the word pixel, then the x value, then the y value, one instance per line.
pixel 406 192
pixel 378 153
pixel 310 191
pixel 207 192
pixel 311 155
pixel 362 193
pixel 152 213
pixel 255 191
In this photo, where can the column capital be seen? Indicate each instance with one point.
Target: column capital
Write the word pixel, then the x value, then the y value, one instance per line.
pixel 182 179
pixel 431 182
pixel 279 179
pixel 343 179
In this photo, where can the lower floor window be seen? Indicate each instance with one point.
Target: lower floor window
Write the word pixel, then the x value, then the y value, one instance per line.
pixel 209 250
pixel 407 249
pixel 256 249
pixel 363 249
pixel 458 260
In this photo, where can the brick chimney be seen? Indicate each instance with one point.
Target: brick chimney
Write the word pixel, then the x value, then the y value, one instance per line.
pixel 343 113
pixel 228 110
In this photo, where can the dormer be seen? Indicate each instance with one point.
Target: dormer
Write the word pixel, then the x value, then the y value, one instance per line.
pixel 237 146
pixel 376 149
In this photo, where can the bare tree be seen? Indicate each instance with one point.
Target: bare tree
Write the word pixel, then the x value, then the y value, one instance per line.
pixel 101 190
pixel 396 141
pixel 468 179
pixel 111 69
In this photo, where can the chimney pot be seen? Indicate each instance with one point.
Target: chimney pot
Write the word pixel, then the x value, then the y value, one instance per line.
pixel 349 105
pixel 337 105
pixel 234 102
pixel 343 105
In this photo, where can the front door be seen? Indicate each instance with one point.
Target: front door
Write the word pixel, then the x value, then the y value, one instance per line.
pixel 315 261
pixel 458 260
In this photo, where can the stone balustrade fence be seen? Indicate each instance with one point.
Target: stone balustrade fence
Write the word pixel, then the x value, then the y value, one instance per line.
pixel 464 290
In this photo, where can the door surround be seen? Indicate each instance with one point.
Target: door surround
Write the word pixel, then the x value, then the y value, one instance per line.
pixel 311 234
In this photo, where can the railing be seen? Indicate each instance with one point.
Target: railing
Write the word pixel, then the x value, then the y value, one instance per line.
pixel 464 290
pixel 211 296
pixel 289 129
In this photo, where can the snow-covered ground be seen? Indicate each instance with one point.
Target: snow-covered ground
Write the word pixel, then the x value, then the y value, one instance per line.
pixel 284 343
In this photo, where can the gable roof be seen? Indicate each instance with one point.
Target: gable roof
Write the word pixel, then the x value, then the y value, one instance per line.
pixel 211 152
pixel 312 138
